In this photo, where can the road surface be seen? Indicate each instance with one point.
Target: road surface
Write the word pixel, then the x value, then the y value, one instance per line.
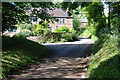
pixel 69 60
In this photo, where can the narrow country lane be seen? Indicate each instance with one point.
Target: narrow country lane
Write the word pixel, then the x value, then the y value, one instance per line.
pixel 69 60
pixel 70 49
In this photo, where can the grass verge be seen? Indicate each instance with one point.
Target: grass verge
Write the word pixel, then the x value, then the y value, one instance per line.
pixel 18 52
pixel 105 62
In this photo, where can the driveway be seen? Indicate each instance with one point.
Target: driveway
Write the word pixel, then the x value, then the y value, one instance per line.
pixel 68 60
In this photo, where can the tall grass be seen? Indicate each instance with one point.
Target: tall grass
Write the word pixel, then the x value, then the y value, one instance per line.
pixel 105 62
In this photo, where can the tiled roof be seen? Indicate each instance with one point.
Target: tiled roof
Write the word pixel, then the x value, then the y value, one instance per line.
pixel 58 12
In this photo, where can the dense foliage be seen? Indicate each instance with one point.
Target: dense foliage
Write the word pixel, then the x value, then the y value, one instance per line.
pixel 104 30
pixel 105 60
pixel 59 37
pixel 11 14
pixel 15 12
pixel 64 29
pixel 27 29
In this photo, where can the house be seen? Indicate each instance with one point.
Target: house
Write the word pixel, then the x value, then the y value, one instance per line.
pixel 61 18
pixel 83 22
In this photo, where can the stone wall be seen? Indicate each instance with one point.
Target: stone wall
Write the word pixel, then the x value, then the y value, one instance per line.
pixel 55 25
pixel 68 23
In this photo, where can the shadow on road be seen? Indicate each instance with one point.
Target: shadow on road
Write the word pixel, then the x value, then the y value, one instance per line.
pixel 65 60
pixel 69 50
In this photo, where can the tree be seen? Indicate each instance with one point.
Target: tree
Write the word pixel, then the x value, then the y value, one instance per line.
pixel 114 14
pixel 11 13
pixel 14 12
pixel 95 15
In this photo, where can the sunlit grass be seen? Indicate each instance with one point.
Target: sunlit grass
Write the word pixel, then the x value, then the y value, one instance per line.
pixel 18 52
pixel 105 61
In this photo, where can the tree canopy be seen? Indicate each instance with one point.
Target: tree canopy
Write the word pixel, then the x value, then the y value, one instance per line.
pixel 15 12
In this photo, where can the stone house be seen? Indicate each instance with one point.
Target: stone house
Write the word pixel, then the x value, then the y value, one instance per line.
pixel 83 22
pixel 61 18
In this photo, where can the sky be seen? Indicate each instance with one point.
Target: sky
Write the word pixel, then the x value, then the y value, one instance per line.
pixel 106 9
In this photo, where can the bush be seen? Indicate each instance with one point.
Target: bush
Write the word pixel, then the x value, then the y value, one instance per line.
pixel 46 31
pixel 56 37
pixel 42 32
pixel 27 26
pixel 81 30
pixel 48 39
pixel 64 29
pixel 74 36
pixel 57 30
pixel 90 32
pixel 45 24
pixel 76 23
pixel 25 32
pixel 26 29
pixel 66 37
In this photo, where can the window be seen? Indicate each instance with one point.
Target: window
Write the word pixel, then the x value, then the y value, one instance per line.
pixel 34 19
pixel 50 28
pixel 12 30
pixel 60 20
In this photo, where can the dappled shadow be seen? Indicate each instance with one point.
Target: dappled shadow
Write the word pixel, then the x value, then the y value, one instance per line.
pixel 61 67
pixel 65 60
pixel 97 46
pixel 107 69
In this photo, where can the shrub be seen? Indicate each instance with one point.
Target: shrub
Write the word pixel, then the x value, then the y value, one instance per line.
pixel 74 36
pixel 90 32
pixel 45 24
pixel 66 37
pixel 81 30
pixel 72 30
pixel 57 30
pixel 64 29
pixel 46 31
pixel 48 39
pixel 42 32
pixel 27 26
pixel 52 40
pixel 39 27
pixel 76 23
pixel 25 32
pixel 26 29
